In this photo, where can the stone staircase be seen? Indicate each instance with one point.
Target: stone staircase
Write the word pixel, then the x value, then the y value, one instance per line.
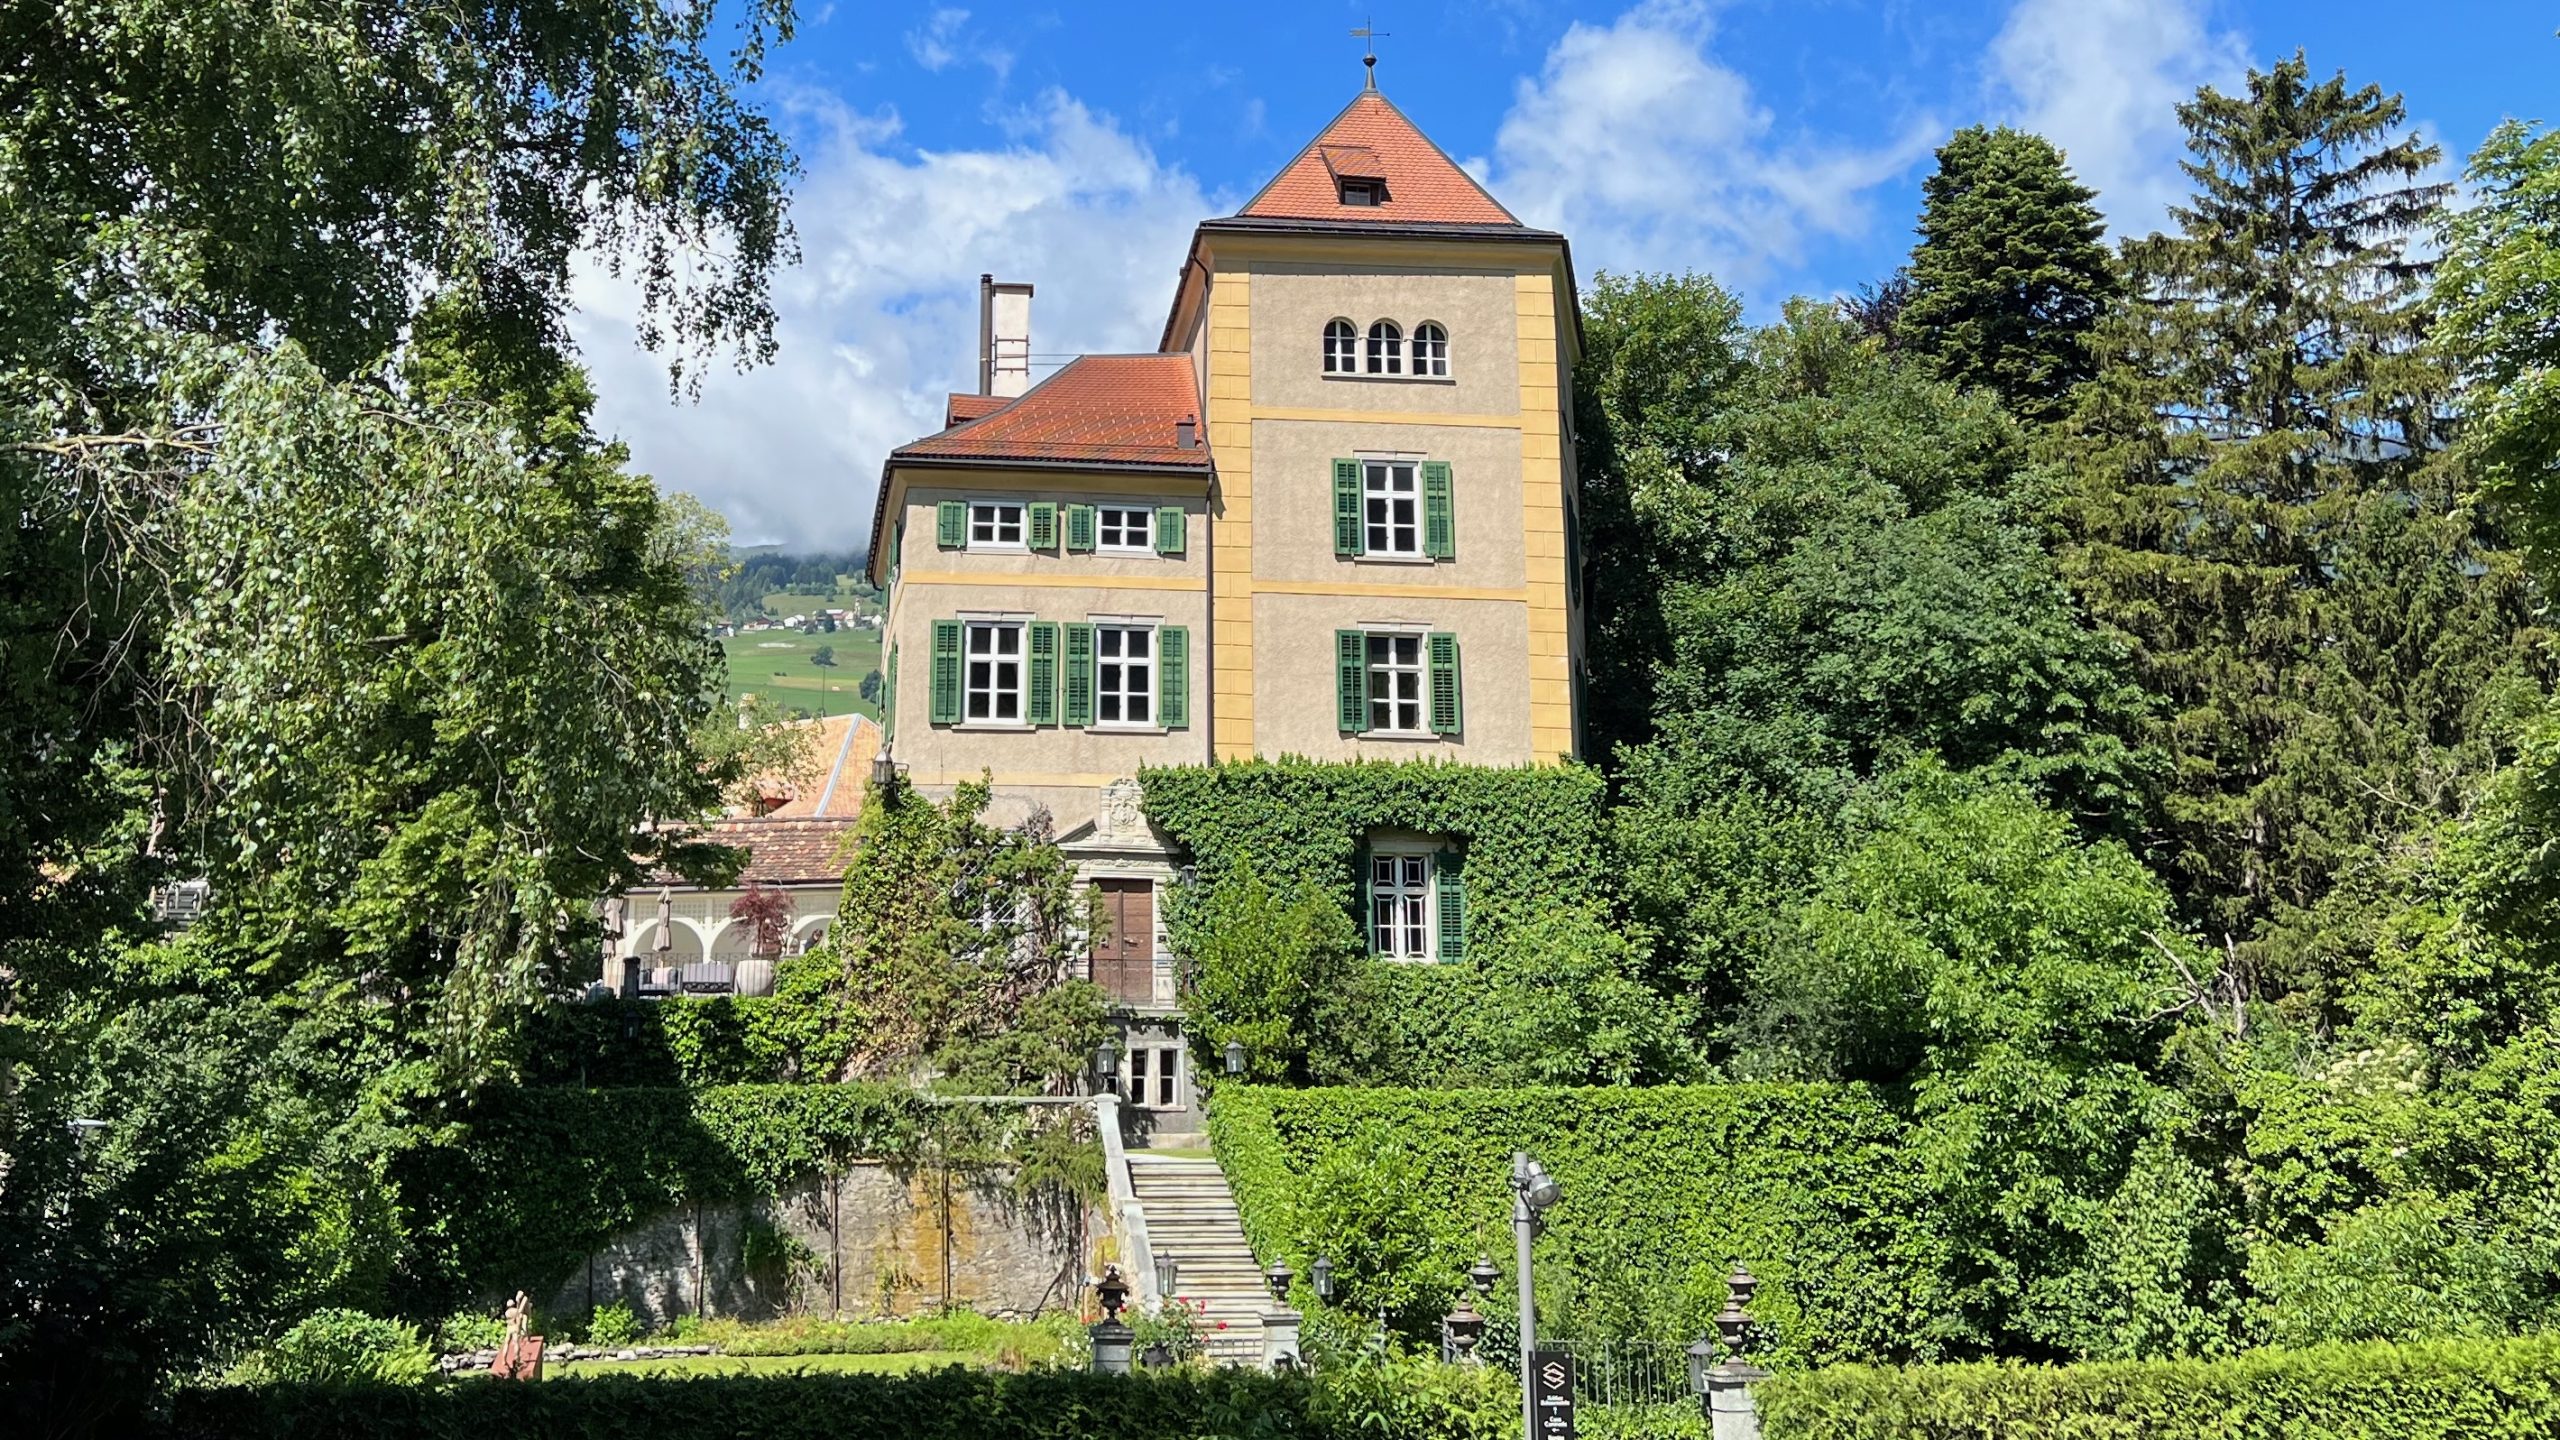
pixel 1191 1216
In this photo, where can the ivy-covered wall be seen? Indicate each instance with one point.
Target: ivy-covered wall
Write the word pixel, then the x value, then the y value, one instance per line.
pixel 1665 1188
pixel 534 1181
pixel 1532 834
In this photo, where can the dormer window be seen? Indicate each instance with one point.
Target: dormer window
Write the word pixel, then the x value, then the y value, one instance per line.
pixel 1386 348
pixel 1363 192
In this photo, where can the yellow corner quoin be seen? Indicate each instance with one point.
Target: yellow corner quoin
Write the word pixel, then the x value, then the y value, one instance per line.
pixel 1230 322
pixel 1542 513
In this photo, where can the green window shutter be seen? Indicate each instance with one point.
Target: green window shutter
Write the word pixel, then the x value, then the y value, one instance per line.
pixel 889 697
pixel 1080 527
pixel 1173 677
pixel 1368 904
pixel 946 672
pixel 1453 905
pixel 898 547
pixel 951 525
pixel 1041 676
pixel 1168 529
pixel 1351 679
pixel 1349 535
pixel 1044 525
pixel 1439 522
pixel 1447 714
pixel 1078 706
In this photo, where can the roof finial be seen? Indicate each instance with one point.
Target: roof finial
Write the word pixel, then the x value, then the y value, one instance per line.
pixel 1370 33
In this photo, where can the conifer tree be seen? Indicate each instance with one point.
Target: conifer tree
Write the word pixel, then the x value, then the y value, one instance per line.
pixel 2010 274
pixel 2265 512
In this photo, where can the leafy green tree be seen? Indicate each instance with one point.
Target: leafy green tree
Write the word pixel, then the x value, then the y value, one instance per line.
pixel 2021 983
pixel 1659 354
pixel 1263 962
pixel 872 686
pixel 954 951
pixel 824 657
pixel 2499 289
pixel 2010 272
pixel 2265 517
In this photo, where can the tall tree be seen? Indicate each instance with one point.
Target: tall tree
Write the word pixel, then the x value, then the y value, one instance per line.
pixel 2010 272
pixel 2264 512
pixel 2500 289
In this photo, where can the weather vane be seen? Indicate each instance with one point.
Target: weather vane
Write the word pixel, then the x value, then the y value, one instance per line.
pixel 1370 34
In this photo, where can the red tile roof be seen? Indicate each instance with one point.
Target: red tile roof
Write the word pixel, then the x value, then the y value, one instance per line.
pixel 1098 409
pixel 1371 139
pixel 971 407
pixel 779 852
pixel 840 774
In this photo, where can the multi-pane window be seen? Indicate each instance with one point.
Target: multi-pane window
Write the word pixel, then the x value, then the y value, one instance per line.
pixel 995 522
pixel 994 671
pixel 1124 674
pixel 1127 528
pixel 1155 1076
pixel 1391 507
pixel 1341 348
pixel 1430 349
pixel 1395 683
pixel 1400 906
pixel 1386 348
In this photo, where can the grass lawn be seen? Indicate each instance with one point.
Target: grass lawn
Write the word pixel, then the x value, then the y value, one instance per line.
pixel 681 1366
pixel 782 602
pixel 775 664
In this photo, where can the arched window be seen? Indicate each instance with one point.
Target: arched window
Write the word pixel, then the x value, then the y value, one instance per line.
pixel 1386 348
pixel 1341 348
pixel 1430 349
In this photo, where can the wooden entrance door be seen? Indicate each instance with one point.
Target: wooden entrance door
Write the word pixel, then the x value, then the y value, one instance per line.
pixel 1124 964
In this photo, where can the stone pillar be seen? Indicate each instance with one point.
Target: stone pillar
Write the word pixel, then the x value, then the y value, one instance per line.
pixel 1280 1339
pixel 1730 1413
pixel 1112 1342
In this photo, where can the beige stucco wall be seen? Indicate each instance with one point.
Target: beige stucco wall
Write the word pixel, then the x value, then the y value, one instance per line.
pixel 1292 302
pixel 1295 676
pixel 1293 460
pixel 1051 766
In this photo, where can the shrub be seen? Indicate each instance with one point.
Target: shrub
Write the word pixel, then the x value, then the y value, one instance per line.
pixel 1814 1186
pixel 1265 960
pixel 2437 1390
pixel 612 1326
pixel 349 1347
pixel 471 1330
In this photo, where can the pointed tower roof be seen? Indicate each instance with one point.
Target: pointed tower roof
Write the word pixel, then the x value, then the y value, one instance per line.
pixel 1372 141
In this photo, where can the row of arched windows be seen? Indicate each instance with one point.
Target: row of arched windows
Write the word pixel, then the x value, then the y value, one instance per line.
pixel 1385 351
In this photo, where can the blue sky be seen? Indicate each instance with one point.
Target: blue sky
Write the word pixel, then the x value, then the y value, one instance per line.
pixel 1779 146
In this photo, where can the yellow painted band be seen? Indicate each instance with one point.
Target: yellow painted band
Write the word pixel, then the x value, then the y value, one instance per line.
pixel 1192 583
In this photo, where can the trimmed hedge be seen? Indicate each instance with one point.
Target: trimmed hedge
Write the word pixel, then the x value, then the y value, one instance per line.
pixel 1664 1189
pixel 1533 834
pixel 539 1179
pixel 693 1041
pixel 2439 1390
pixel 952 1404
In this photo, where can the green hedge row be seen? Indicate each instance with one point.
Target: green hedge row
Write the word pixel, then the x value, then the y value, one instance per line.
pixel 2442 1390
pixel 1664 1188
pixel 693 1042
pixel 1396 1403
pixel 1533 834
pixel 536 1180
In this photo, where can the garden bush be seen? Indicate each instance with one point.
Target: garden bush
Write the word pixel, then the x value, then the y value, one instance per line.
pixel 1813 1186
pixel 2436 1390
pixel 349 1347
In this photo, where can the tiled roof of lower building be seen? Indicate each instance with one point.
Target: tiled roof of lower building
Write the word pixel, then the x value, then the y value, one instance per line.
pixel 1096 410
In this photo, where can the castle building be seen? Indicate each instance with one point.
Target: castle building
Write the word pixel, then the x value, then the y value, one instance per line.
pixel 1332 515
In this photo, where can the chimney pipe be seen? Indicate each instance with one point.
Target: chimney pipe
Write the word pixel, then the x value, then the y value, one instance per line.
pixel 1186 432
pixel 1004 336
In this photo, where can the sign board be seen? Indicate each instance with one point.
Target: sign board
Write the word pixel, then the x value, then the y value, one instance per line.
pixel 1551 1394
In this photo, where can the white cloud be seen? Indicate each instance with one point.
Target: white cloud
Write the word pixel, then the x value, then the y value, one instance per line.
pixel 879 319
pixel 944 40
pixel 2103 80
pixel 1652 154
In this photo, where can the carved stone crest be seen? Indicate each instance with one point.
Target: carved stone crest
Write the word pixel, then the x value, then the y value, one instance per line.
pixel 1123 816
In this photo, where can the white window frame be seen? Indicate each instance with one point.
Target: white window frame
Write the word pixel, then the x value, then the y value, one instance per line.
pixel 1383 354
pixel 995 525
pixel 1420 671
pixel 971 627
pixel 1428 350
pixel 1145 544
pixel 1387 465
pixel 1134 1074
pixel 1425 903
pixel 1341 346
pixel 1126 625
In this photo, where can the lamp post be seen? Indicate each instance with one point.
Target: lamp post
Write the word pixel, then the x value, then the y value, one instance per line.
pixel 1533 1193
pixel 1106 1065
pixel 884 770
pixel 1235 1059
pixel 1168 1270
pixel 1320 1275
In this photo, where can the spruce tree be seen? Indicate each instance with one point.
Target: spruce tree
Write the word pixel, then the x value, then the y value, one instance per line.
pixel 2265 511
pixel 2010 273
